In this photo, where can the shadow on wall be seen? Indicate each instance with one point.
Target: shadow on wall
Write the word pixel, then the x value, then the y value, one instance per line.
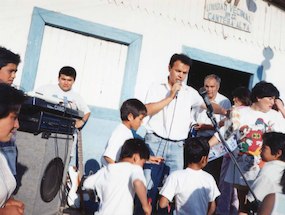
pixel 268 55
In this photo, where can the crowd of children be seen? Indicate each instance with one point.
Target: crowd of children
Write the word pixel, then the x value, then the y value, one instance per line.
pixel 193 190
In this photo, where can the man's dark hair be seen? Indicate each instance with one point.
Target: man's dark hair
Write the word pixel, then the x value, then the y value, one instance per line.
pixel 134 107
pixel 263 89
pixel 195 149
pixel 10 99
pixel 6 57
pixel 68 71
pixel 134 146
pixel 243 94
pixel 181 57
pixel 275 141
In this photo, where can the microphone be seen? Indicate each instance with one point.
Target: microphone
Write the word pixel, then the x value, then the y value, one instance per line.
pixel 179 82
pixel 203 93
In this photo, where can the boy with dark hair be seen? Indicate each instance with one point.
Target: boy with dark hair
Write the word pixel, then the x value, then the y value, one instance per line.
pixel 194 189
pixel 10 103
pixel 273 153
pixel 9 62
pixel 116 184
pixel 132 113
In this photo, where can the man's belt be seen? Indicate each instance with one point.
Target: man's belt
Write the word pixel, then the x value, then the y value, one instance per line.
pixel 166 139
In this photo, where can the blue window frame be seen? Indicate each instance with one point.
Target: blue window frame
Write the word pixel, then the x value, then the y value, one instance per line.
pixel 227 62
pixel 42 18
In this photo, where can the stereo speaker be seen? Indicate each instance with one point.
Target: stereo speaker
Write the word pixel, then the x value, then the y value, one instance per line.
pixel 41 171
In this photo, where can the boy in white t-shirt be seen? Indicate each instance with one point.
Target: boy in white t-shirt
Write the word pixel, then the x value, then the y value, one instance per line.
pixel 268 178
pixel 194 189
pixel 116 184
pixel 132 114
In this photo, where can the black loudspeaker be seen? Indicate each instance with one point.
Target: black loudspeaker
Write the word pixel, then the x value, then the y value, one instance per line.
pixel 41 171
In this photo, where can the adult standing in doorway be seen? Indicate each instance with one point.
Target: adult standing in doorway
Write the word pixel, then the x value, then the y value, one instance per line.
pixel 204 126
pixel 9 62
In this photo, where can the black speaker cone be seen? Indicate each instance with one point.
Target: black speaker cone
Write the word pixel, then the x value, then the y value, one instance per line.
pixel 52 179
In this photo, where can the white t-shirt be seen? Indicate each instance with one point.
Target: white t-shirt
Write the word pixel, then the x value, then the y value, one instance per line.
pixel 115 143
pixel 279 206
pixel 192 189
pixel 7 181
pixel 201 117
pixel 73 98
pixel 174 120
pixel 114 186
pixel 268 180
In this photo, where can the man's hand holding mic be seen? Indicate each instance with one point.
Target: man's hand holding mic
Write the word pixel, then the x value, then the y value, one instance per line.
pixel 175 89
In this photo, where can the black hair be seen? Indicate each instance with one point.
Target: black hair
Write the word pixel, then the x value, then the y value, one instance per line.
pixel 134 146
pixel 275 141
pixel 7 56
pixel 195 149
pixel 263 89
pixel 134 107
pixel 10 99
pixel 68 71
pixel 243 94
pixel 181 57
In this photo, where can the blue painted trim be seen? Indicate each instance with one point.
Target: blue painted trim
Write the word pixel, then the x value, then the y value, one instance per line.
pixel 42 18
pixel 219 60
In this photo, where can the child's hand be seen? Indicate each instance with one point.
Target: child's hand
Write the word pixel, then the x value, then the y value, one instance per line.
pixel 147 209
pixel 156 159
pixel 14 202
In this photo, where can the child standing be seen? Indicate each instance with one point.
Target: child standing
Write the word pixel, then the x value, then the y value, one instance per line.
pixel 268 179
pixel 132 114
pixel 194 189
pixel 116 184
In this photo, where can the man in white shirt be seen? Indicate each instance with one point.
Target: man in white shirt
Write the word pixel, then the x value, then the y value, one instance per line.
pixel 63 90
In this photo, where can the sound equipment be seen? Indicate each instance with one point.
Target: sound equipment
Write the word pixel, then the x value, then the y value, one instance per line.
pixel 41 116
pixel 41 171
pixel 43 159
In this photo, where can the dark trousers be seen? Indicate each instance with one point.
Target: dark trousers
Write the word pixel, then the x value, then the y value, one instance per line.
pixel 214 168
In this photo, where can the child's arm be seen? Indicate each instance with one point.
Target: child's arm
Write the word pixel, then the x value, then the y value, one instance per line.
pixel 140 190
pixel 211 208
pixel 109 160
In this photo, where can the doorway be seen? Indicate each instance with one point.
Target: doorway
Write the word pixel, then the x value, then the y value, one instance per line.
pixel 231 78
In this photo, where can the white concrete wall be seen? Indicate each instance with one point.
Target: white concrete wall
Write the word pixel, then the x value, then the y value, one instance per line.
pixel 164 31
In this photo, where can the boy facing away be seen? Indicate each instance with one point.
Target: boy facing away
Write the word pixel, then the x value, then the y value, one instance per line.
pixel 194 189
pixel 116 184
